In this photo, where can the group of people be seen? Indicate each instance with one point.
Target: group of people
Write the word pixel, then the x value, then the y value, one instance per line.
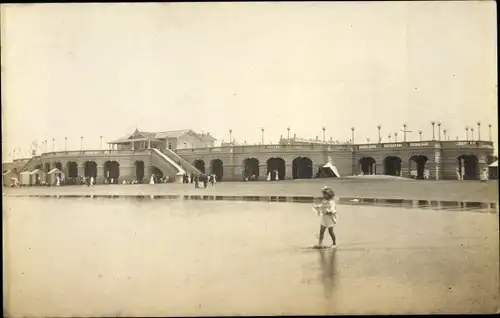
pixel 197 179
pixel 425 175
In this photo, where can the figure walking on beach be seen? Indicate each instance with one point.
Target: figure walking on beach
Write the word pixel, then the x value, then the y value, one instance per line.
pixel 328 212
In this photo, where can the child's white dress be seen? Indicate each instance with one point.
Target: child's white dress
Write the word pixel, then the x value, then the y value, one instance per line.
pixel 328 212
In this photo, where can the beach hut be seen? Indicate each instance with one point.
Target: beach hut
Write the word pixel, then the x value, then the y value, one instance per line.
pixel 493 170
pixel 25 178
pixel 53 174
pixel 328 171
pixel 38 177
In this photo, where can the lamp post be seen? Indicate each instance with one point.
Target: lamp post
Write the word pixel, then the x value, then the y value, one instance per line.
pixel 439 131
pixel 379 137
pixel 45 145
pixel 352 134
pixel 389 136
pixel 420 133
pixel 367 140
pixel 478 130
pixel 230 135
pixel 65 143
pixel 288 129
pixel 262 130
pixel 81 143
pixel 53 144
pixel 489 126
pixel 101 142
pixel 444 132
pixel 324 130
pixel 472 134
pixel 433 123
pixel 404 132
pixel 466 133
pixel 396 136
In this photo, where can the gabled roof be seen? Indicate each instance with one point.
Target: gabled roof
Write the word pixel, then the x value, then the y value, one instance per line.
pixel 152 136
pixel 55 170
pixel 494 164
pixel 36 171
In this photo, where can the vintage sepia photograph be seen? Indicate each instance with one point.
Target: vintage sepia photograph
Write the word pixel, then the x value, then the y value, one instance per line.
pixel 173 159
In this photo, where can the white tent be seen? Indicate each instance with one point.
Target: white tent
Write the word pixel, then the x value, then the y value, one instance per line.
pixel 494 164
pixel 25 178
pixel 332 168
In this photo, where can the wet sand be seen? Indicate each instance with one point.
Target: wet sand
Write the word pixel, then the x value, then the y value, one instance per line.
pixel 450 190
pixel 129 257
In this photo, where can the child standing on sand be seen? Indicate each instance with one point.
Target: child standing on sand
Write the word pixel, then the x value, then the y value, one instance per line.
pixel 328 212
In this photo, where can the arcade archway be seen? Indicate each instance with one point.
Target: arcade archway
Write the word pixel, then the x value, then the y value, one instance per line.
pixel 367 165
pixel 157 174
pixel 112 171
pixel 420 161
pixel 302 168
pixel 200 165
pixel 392 166
pixel 251 168
pixel 58 165
pixel 139 171
pixel 90 169
pixel 217 167
pixel 276 166
pixel 468 165
pixel 72 172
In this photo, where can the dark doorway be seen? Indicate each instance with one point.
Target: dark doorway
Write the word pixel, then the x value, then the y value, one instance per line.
pixel 302 168
pixel 420 161
pixel 469 165
pixel 90 169
pixel 38 167
pixel 58 165
pixel 392 166
pixel 72 172
pixel 112 171
pixel 200 165
pixel 276 166
pixel 217 169
pixel 368 165
pixel 46 167
pixel 251 168
pixel 157 174
pixel 139 171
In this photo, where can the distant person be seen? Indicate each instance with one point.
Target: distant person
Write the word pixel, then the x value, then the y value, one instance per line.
pixel 427 174
pixel 192 178
pixel 205 180
pixel 459 175
pixel 327 209
pixel 196 185
pixel 484 175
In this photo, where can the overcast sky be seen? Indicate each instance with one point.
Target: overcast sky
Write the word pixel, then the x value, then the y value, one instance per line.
pixel 102 69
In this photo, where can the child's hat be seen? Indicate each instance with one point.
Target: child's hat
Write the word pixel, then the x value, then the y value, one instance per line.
pixel 327 190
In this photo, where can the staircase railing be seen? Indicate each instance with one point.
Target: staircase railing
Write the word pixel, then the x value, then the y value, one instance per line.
pixel 173 163
pixel 184 161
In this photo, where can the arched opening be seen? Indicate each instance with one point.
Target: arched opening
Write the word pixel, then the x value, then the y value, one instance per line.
pixel 420 161
pixel 139 171
pixel 276 166
pixel 367 165
pixel 112 171
pixel 392 166
pixel 90 169
pixel 46 167
pixel 72 172
pixel 468 166
pixel 490 159
pixel 302 168
pixel 157 174
pixel 217 169
pixel 200 165
pixel 251 168
pixel 58 165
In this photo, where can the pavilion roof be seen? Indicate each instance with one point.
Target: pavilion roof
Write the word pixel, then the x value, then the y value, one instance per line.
pixel 156 136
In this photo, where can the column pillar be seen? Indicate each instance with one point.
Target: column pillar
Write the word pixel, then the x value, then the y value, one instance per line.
pixel 437 160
